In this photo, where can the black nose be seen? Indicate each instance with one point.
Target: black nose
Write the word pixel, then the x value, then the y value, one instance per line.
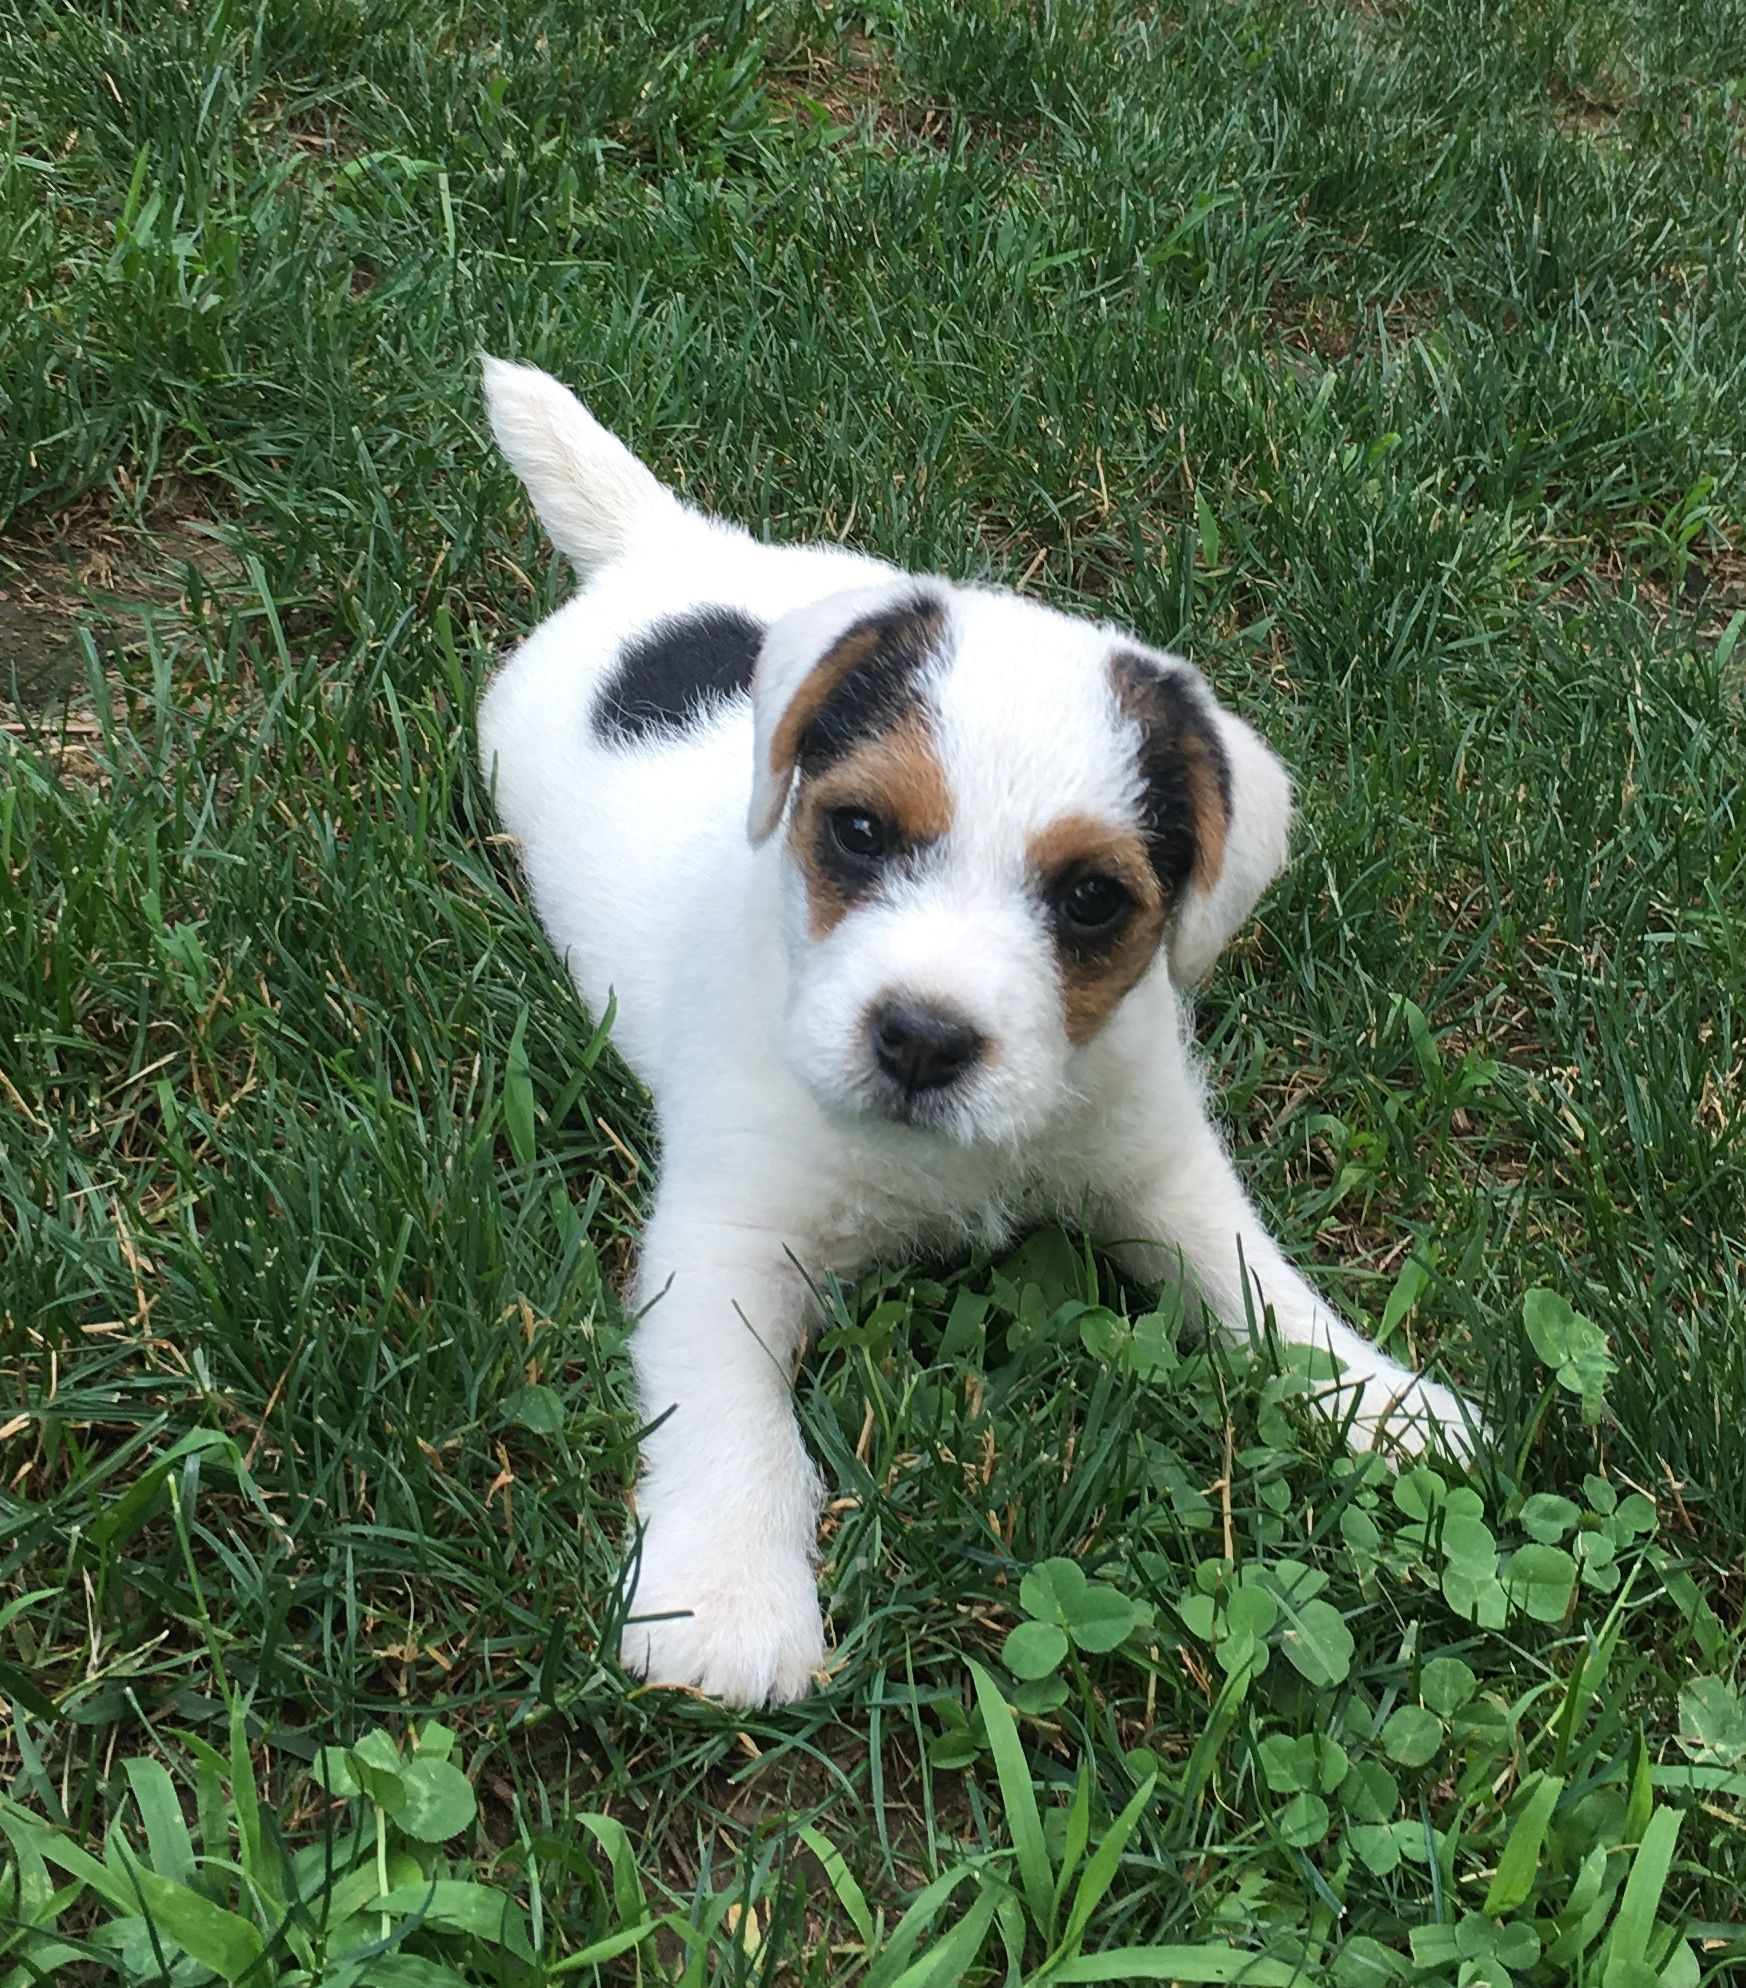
pixel 923 1049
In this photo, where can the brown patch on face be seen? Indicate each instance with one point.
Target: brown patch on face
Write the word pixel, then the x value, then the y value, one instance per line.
pixel 1186 801
pixel 1097 972
pixel 861 685
pixel 894 777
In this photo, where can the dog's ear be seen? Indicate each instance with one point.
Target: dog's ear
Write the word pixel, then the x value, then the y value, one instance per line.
pixel 1217 804
pixel 829 674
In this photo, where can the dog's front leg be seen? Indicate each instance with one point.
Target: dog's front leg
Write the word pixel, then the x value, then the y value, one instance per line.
pixel 1190 1216
pixel 724 1596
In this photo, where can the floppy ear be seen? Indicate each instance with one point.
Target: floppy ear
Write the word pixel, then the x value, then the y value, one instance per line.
pixel 1217 804
pixel 831 673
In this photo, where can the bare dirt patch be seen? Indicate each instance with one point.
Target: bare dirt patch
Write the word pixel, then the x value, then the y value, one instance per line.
pixel 1312 333
pixel 86 570
pixel 1591 109
pixel 1700 610
pixel 850 82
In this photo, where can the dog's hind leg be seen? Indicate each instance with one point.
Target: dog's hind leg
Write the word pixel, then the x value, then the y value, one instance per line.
pixel 1191 1218
pixel 724 1596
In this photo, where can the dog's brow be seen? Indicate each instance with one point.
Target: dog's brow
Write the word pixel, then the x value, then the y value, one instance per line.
pixel 861 686
pixel 1076 842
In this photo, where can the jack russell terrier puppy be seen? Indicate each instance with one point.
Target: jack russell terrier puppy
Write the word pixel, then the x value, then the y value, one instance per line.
pixel 897 884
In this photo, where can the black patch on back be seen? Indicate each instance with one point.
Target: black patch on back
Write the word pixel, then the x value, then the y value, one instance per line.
pixel 1178 740
pixel 667 676
pixel 888 651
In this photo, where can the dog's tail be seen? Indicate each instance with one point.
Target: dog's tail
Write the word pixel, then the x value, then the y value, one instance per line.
pixel 592 494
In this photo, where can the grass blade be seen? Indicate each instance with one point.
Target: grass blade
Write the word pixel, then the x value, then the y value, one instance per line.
pixel 1105 1862
pixel 1077 1835
pixel 220 1940
pixel 1634 1926
pixel 167 1840
pixel 1019 1801
pixel 842 1880
pixel 1513 1883
pixel 924 1908
pixel 1187 1964
pixel 950 1961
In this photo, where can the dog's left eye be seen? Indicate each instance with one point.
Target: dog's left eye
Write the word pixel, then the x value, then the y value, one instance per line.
pixel 1093 906
pixel 863 836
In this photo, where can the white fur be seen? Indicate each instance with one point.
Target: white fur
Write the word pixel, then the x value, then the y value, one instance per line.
pixel 779 1164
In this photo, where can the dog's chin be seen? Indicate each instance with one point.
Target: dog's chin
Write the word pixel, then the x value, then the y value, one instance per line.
pixel 940 1113
pixel 954 1116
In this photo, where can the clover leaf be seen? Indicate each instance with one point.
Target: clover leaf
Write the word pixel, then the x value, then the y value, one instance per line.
pixel 1446 1684
pixel 1712 1722
pixel 1411 1735
pixel 1034 1649
pixel 439 1800
pixel 1317 1642
pixel 1548 1517
pixel 1303 1821
pixel 1574 1347
pixel 1092 1613
pixel 1540 1580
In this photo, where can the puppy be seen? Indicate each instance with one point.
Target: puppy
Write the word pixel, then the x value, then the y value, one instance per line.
pixel 896 884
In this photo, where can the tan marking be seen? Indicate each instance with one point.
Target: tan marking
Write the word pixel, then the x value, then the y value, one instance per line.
pixel 1207 798
pixel 895 775
pixel 1080 845
pixel 920 628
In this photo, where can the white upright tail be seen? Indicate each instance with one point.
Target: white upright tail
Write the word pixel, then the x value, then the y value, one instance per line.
pixel 592 494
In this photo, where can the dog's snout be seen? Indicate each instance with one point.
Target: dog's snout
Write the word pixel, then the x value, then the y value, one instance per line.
pixel 923 1048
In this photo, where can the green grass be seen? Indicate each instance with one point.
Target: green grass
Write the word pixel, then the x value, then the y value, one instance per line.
pixel 1391 361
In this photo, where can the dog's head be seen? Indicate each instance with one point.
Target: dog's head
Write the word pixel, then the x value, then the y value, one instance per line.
pixel 996 823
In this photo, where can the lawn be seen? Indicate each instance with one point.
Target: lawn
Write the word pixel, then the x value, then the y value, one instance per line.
pixel 1388 359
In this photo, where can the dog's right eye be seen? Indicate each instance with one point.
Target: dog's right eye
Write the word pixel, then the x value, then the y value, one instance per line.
pixel 862 836
pixel 1093 907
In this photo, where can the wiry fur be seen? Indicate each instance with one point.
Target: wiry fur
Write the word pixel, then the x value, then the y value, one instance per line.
pixel 783 1152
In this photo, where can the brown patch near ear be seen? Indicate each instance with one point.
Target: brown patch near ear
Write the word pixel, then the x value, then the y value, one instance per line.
pixel 1187 804
pixel 1211 822
pixel 847 653
pixel 894 776
pixel 1094 978
pixel 860 685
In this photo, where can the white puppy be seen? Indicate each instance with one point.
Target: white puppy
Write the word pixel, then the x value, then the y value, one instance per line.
pixel 895 883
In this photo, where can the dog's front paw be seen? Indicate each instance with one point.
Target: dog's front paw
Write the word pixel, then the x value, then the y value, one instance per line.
pixel 1404 1414
pixel 744 1630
